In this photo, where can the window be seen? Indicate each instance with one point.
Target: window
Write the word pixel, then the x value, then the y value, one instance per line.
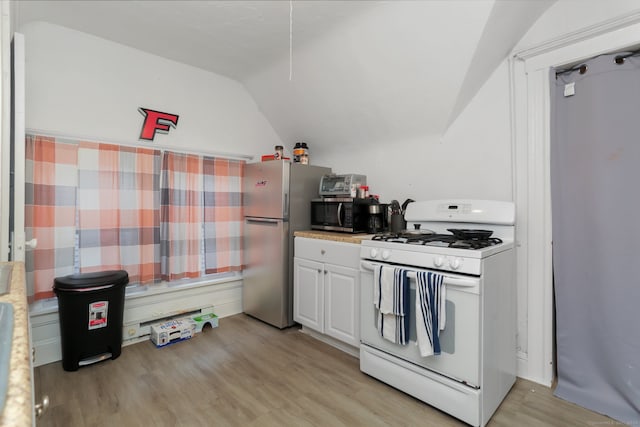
pixel 157 215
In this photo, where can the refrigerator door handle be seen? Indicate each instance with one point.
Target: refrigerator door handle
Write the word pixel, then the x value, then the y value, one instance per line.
pixel 285 208
pixel 263 220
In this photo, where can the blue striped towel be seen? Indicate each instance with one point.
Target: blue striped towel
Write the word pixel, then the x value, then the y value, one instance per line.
pixel 430 312
pixel 391 298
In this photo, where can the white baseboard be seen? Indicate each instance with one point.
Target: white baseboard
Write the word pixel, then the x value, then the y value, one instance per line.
pixel 347 348
pixel 524 371
pixel 522 365
pixel 140 308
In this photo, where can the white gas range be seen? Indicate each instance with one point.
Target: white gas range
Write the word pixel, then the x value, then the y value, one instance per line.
pixel 476 366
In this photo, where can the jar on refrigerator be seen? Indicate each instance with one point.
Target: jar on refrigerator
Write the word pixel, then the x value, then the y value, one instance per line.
pixel 300 149
pixel 279 152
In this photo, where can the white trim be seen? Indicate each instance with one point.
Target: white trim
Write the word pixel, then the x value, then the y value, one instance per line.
pixel 530 100
pixel 18 239
pixel 340 345
pixel 5 125
pixel 585 48
pixel 592 31
pixel 50 305
pixel 141 144
pixel 520 166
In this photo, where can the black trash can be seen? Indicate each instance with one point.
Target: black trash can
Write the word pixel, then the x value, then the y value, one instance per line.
pixel 90 307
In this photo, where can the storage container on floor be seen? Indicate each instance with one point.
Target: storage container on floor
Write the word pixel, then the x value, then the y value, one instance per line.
pixel 90 307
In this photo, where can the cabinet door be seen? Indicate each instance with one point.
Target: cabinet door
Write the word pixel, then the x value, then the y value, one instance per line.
pixel 308 293
pixel 342 300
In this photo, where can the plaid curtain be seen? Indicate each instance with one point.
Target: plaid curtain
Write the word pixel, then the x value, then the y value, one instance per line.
pixel 159 217
pixel 140 213
pixel 181 216
pixel 223 216
pixel 50 211
pixel 118 205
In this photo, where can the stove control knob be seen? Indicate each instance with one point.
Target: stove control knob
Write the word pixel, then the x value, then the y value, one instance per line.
pixel 438 261
pixel 386 254
pixel 374 253
pixel 455 263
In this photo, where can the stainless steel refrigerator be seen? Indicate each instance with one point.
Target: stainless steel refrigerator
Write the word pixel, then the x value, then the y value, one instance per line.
pixel 277 202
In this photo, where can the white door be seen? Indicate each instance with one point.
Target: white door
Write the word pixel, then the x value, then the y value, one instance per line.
pixel 308 293
pixel 342 300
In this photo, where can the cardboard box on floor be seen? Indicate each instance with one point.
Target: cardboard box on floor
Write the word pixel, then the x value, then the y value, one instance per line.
pixel 204 319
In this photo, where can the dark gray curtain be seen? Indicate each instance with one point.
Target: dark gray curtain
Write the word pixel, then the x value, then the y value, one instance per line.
pixel 595 189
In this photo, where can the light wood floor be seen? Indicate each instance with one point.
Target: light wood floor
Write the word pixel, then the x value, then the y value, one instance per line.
pixel 246 373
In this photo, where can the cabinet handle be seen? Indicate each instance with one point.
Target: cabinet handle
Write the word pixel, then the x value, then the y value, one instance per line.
pixel 325 272
pixel 319 271
pixel 41 407
pixel 33 354
pixel 322 252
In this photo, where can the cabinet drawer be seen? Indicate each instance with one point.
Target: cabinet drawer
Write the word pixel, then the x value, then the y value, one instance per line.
pixel 327 251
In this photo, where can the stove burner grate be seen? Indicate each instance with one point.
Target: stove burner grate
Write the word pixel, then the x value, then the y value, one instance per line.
pixel 442 240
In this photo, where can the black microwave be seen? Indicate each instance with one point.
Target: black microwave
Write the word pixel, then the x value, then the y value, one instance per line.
pixel 347 215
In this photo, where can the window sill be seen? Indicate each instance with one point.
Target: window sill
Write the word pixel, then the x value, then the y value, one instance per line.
pixel 50 305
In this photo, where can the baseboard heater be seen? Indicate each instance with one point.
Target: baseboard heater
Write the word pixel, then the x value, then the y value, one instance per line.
pixel 136 332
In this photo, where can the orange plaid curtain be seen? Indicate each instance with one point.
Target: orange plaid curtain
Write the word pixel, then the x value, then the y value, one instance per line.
pixel 118 205
pixel 50 211
pixel 181 216
pixel 223 216
pixel 95 206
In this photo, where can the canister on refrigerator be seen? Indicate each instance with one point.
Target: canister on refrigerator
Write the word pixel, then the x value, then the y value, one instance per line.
pixel 279 151
pixel 300 149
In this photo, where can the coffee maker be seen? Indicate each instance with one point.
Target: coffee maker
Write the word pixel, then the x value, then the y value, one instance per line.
pixel 377 217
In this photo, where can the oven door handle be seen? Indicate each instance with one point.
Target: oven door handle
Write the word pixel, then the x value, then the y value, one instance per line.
pixel 448 280
pixel 365 265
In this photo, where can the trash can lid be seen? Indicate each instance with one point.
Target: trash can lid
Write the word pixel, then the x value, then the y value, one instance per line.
pixel 91 280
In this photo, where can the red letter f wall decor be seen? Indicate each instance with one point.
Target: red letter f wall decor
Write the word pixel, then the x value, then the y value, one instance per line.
pixel 156 121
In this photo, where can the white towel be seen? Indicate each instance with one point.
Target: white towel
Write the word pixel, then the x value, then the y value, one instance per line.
pixel 391 298
pixel 430 312
pixel 391 328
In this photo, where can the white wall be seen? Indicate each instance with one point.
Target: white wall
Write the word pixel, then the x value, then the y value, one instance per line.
pixel 84 86
pixel 471 160
pixel 373 96
pixel 391 74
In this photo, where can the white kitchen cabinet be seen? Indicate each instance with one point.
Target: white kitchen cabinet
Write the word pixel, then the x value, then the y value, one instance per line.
pixel 326 288
pixel 308 293
pixel 342 303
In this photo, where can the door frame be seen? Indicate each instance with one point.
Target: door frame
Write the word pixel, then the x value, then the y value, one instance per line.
pixel 5 126
pixel 530 118
pixel 17 235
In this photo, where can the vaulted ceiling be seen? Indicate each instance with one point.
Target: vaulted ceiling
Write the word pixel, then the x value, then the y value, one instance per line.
pixel 325 71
